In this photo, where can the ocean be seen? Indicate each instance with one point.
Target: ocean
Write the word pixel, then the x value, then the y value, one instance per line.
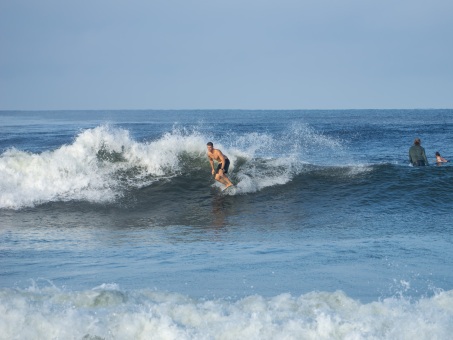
pixel 112 226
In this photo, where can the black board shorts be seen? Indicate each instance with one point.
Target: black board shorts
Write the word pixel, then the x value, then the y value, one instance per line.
pixel 419 163
pixel 225 168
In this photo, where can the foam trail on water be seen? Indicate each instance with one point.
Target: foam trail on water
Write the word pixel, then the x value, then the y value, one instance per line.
pixel 108 312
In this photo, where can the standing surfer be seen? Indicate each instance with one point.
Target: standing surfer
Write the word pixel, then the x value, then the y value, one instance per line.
pixel 222 167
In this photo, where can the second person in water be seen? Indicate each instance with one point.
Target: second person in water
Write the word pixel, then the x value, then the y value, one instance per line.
pixel 440 159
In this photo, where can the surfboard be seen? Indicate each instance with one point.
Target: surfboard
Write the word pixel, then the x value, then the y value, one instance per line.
pixel 229 190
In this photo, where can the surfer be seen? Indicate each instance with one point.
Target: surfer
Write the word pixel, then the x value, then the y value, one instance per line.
pixel 440 159
pixel 417 155
pixel 222 167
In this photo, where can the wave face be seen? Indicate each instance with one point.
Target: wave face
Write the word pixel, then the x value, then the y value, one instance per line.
pixel 104 163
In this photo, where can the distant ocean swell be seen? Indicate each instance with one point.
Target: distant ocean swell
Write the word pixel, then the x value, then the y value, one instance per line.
pixel 104 162
pixel 106 312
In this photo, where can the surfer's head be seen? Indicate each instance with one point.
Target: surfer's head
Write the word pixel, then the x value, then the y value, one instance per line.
pixel 417 141
pixel 210 146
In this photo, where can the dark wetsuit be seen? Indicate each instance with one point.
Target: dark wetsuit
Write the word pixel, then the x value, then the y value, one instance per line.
pixel 225 167
pixel 417 156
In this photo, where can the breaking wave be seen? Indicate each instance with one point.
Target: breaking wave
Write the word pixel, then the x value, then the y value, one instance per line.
pixel 104 162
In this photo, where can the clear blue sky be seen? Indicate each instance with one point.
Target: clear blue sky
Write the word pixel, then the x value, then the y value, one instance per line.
pixel 225 54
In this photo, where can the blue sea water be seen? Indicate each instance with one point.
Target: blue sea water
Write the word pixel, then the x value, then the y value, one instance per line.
pixel 112 227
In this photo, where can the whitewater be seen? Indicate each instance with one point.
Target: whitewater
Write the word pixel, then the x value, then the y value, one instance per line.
pixel 107 312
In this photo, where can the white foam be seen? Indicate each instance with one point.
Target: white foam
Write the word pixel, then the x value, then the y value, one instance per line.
pixel 88 168
pixel 115 314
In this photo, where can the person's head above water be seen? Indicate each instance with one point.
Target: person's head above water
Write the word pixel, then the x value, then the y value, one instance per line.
pixel 417 141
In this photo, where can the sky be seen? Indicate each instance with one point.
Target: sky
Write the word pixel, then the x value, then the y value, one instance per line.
pixel 225 54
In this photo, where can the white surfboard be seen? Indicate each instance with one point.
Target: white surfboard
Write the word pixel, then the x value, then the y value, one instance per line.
pixel 231 190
